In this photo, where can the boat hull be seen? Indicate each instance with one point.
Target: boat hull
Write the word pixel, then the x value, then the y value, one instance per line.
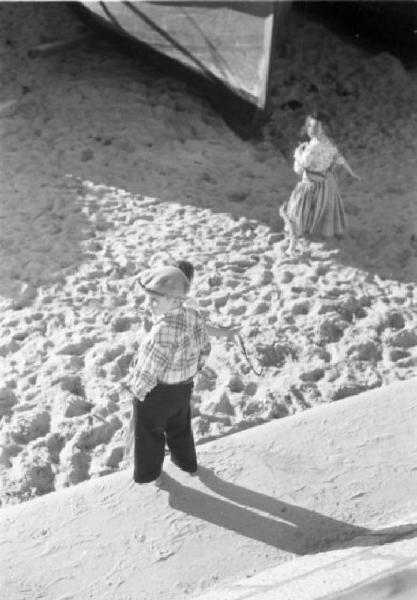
pixel 227 45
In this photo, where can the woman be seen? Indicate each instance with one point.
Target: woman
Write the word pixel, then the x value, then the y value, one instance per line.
pixel 315 205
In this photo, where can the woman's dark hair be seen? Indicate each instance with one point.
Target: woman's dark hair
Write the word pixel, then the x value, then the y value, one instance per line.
pixel 187 268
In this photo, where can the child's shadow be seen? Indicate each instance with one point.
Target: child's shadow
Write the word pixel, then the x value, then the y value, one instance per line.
pixel 284 526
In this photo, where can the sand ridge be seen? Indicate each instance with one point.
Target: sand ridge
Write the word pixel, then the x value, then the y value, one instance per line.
pixel 105 163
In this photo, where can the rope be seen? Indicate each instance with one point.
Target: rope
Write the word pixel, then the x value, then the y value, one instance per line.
pixel 242 346
pixel 248 360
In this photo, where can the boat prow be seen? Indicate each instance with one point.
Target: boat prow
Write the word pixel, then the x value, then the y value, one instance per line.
pixel 224 47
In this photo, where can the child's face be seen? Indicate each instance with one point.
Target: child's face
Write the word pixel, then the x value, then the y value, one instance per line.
pixel 159 305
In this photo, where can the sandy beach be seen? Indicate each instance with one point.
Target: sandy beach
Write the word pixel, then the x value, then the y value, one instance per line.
pixel 105 162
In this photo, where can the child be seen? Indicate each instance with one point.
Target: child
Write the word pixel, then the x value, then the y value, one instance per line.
pixel 165 258
pixel 162 376
pixel 315 205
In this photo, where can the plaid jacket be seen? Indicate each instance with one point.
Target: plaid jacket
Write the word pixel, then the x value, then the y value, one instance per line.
pixel 174 350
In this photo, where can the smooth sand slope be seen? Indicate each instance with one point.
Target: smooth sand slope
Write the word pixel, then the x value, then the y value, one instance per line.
pixel 332 477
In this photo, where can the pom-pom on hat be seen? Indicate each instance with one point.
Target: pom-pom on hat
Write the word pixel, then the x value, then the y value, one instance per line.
pixel 165 281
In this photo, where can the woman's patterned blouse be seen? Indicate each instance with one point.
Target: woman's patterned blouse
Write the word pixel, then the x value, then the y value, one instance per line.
pixel 316 155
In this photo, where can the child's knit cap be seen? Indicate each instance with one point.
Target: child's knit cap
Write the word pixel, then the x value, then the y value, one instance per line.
pixel 165 281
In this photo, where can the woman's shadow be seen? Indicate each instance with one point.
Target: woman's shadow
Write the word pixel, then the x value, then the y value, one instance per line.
pixel 271 521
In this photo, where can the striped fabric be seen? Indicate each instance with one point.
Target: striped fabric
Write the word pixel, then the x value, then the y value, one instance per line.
pixel 173 351
pixel 315 206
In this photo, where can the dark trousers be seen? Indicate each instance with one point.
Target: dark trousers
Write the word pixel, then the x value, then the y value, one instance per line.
pixel 163 416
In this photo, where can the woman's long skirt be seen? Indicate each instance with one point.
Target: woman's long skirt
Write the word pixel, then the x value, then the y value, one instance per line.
pixel 315 206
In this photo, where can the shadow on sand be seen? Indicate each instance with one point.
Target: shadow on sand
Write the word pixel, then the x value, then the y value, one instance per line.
pixel 282 525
